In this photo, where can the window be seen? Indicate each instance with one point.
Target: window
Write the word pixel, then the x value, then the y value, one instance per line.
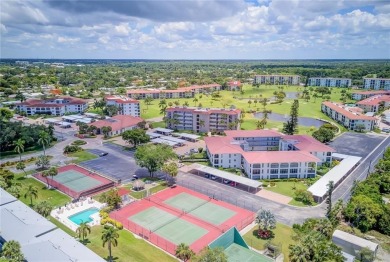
pixel 294 165
pixel 294 170
pixel 283 165
pixel 283 171
pixel 274 171
pixel 274 165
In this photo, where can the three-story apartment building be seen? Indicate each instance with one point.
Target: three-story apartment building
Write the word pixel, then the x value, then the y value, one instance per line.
pixel 277 79
pixel 58 106
pixel 376 83
pixel 126 105
pixel 329 82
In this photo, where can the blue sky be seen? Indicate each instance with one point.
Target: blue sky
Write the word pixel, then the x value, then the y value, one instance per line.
pixel 195 29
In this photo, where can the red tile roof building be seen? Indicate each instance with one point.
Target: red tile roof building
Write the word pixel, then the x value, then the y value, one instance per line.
pixel 198 119
pixel 366 94
pixel 372 104
pixel 126 105
pixel 182 92
pixel 350 117
pixel 234 85
pixel 266 154
pixel 57 106
pixel 118 124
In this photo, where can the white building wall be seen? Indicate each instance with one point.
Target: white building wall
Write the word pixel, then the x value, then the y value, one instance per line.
pixel 376 83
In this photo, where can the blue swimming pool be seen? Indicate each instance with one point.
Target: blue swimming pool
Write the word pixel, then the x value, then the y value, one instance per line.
pixel 83 216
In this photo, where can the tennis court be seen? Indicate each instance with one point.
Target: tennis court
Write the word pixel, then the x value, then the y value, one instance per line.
pixel 201 208
pixel 76 181
pixel 168 226
pixel 179 215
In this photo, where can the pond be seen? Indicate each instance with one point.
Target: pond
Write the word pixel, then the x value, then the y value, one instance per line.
pixel 291 95
pixel 303 121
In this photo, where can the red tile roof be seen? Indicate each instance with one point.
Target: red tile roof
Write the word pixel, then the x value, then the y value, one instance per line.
pixel 222 145
pixel 252 133
pixel 374 100
pixel 118 122
pixel 179 90
pixel 121 100
pixel 377 92
pixel 50 103
pixel 346 112
pixel 308 143
pixel 234 83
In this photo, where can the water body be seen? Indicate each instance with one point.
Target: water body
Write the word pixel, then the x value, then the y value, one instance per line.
pixel 291 95
pixel 303 121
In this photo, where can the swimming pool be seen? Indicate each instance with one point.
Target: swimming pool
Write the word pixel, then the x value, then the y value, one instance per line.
pixel 84 216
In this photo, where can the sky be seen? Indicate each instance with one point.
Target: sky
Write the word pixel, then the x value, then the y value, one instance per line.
pixel 195 29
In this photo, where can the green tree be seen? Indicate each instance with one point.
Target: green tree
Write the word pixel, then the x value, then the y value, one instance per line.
pixel 7 176
pixel 110 237
pixel 5 114
pixel 31 192
pixel 83 127
pixel 19 96
pixel 171 169
pixel 153 157
pixel 21 166
pixel 183 252
pixel 43 208
pixel 135 137
pixel 330 187
pixel 106 130
pixel 83 230
pixel 111 110
pixel 265 219
pixel 44 140
pixel 53 171
pixel 291 126
pixel 148 101
pixel 42 162
pixel 12 252
pixel 111 198
pixel 19 147
pixel 210 255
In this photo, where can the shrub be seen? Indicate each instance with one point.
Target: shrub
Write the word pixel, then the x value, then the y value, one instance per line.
pixel 78 142
pixel 103 214
pixel 265 234
pixel 273 184
pixel 200 149
pixel 72 149
pixel 112 222
pixel 304 196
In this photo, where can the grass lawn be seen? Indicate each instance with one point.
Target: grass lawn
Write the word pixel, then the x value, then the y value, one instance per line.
pixel 285 188
pixel 153 190
pixel 158 124
pixel 54 197
pixel 27 151
pixel 282 236
pixel 311 108
pixel 82 156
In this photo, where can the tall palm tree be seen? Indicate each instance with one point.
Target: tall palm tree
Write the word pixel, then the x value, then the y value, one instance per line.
pixel 11 251
pixel 195 100
pixel 110 237
pixel 184 252
pixel 46 175
pixel 44 139
pixel 19 147
pixel 43 208
pixel 53 172
pixel 83 230
pixel 31 192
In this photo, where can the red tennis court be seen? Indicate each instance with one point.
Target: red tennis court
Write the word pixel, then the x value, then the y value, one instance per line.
pixel 76 181
pixel 179 215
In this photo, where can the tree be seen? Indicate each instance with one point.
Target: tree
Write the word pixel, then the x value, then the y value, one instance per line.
pixel 42 162
pixel 19 96
pixel 21 166
pixel 323 135
pixel 53 171
pixel 330 187
pixel 135 137
pixel 186 103
pixel 153 157
pixel 83 127
pixel 110 237
pixel 249 103
pixel 11 251
pixel 266 221
pixel 360 127
pixel 195 100
pixel 210 255
pixel 106 130
pixel 299 253
pixel 304 196
pixel 111 198
pixel 111 110
pixel 363 212
pixel 148 101
pixel 7 176
pixel 31 192
pixel 183 252
pixel 43 208
pixel 365 255
pixel 99 104
pixel 15 189
pixel 44 140
pixel 170 168
pixel 83 230
pixel 5 114
pixel 19 147
pixel 291 126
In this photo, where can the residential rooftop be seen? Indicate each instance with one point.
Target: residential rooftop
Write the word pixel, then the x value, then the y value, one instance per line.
pixel 347 111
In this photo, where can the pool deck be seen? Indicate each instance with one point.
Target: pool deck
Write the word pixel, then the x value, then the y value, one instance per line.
pixel 62 213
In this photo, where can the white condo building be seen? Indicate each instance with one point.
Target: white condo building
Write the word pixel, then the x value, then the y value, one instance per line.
pixel 376 83
pixel 329 82
pixel 126 105
pixel 266 154
pixel 351 117
pixel 359 95
pixel 277 79
pixel 202 119
pixel 55 106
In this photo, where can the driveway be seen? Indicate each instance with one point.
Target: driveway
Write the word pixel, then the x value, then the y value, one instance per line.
pixel 356 144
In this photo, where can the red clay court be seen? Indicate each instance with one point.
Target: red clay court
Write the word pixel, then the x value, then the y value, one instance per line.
pixel 76 181
pixel 179 215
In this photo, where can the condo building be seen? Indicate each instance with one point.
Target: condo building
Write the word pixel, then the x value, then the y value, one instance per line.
pixel 376 83
pixel 329 82
pixel 58 106
pixel 366 94
pixel 352 118
pixel 374 103
pixel 198 119
pixel 183 92
pixel 234 85
pixel 277 79
pixel 266 154
pixel 126 105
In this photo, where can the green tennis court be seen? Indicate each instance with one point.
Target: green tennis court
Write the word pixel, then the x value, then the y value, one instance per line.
pixel 168 226
pixel 201 208
pixel 76 180
pixel 236 253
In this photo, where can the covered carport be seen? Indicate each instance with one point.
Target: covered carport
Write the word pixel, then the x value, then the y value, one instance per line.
pixel 189 137
pixel 163 131
pixel 242 182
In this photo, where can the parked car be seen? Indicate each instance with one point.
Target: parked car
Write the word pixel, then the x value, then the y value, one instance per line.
pixel 213 177
pixel 386 130
pixel 206 175
pixel 194 150
pixel 225 181
pixel 234 183
pixel 103 154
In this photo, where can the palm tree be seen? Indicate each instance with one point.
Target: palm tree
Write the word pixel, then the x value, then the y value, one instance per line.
pixel 184 252
pixel 109 236
pixel 21 166
pixel 31 192
pixel 195 100
pixel 53 172
pixel 299 253
pixel 83 230
pixel 46 175
pixel 106 130
pixel 43 208
pixel 44 139
pixel 19 147
pixel 11 251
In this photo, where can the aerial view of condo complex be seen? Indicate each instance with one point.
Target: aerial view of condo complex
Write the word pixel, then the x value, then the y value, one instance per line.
pixel 193 130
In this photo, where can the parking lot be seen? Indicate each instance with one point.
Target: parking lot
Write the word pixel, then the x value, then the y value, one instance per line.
pixel 356 144
pixel 118 163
